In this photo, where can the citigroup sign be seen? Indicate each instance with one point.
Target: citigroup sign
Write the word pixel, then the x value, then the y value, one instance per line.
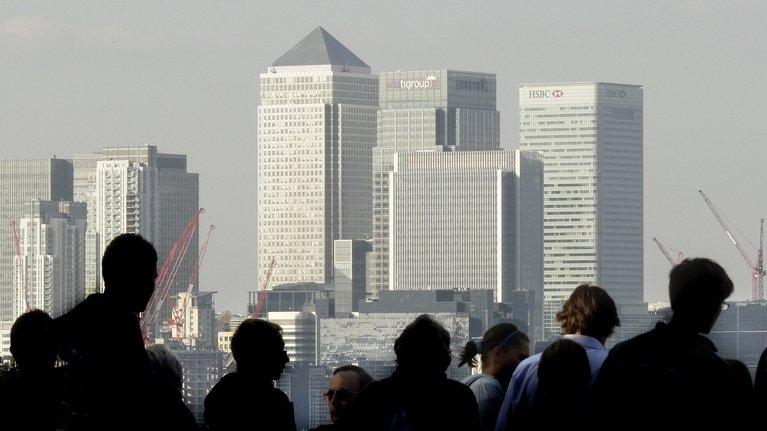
pixel 431 81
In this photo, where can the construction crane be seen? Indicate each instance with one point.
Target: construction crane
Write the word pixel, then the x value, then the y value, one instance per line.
pixel 166 276
pixel 262 290
pixel 177 318
pixel 665 251
pixel 22 265
pixel 757 268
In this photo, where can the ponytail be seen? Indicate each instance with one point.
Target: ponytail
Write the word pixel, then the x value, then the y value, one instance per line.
pixel 470 350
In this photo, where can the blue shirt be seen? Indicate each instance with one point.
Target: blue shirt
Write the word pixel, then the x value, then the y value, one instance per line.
pixel 489 393
pixel 523 387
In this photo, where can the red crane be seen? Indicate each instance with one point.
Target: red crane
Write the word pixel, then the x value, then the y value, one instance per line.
pixel 262 291
pixel 22 265
pixel 166 276
pixel 757 269
pixel 178 313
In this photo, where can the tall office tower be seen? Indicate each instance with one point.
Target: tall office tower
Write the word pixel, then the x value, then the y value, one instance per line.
pixel 139 190
pixel 350 259
pixel 316 130
pixel 590 135
pixel 425 110
pixel 454 222
pixel 299 329
pixel 22 181
pixel 50 273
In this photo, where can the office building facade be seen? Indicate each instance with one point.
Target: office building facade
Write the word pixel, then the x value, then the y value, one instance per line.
pixel 316 131
pixel 21 182
pixel 426 110
pixel 590 136
pixel 50 273
pixel 350 266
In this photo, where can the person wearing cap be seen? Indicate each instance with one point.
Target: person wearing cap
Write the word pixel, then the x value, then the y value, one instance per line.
pixel 501 349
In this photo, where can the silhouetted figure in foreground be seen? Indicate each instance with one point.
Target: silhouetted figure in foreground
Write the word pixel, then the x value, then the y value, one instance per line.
pixel 501 349
pixel 108 369
pixel 418 396
pixel 344 386
pixel 247 398
pixel 167 378
pixel 760 380
pixel 564 377
pixel 30 392
pixel 588 317
pixel 673 372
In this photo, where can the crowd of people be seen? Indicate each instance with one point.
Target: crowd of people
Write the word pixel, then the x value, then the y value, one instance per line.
pixel 90 370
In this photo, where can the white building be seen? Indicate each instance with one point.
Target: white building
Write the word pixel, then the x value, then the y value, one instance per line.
pixel 197 327
pixel 455 220
pixel 590 135
pixel 50 273
pixel 299 330
pixel 316 130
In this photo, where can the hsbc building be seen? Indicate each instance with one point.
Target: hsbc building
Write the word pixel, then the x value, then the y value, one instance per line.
pixel 591 138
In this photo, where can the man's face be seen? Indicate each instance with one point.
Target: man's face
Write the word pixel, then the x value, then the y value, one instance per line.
pixel 342 390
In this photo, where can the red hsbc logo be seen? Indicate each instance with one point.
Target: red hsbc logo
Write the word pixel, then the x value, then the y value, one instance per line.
pixel 542 94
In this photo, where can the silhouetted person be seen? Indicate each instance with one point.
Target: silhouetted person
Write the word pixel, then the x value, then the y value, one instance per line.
pixel 760 380
pixel 673 372
pixel 167 377
pixel 247 398
pixel 418 395
pixel 108 368
pixel 30 392
pixel 501 349
pixel 588 318
pixel 344 386
pixel 564 377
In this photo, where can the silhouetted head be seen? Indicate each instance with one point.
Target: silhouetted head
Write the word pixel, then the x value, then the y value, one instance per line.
pixel 129 268
pixel 564 374
pixel 501 349
pixel 165 368
pixel 33 341
pixel 346 383
pixel 589 311
pixel 423 347
pixel 258 349
pixel 697 289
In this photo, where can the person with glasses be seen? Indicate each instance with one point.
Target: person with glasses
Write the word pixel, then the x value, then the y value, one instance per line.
pixel 346 383
pixel 501 349
pixel 673 371
pixel 247 398
pixel 588 318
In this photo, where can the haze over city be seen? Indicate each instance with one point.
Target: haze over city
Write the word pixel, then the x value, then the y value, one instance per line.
pixel 78 76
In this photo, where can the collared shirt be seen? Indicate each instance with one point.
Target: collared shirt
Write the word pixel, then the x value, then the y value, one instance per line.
pixel 523 387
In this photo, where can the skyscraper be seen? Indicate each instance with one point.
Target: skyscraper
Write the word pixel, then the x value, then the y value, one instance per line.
pixel 426 110
pixel 590 135
pixel 21 182
pixel 50 272
pixel 316 130
pixel 455 221
pixel 137 190
pixel 350 262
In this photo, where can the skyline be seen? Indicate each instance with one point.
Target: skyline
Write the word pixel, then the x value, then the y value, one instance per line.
pixel 205 93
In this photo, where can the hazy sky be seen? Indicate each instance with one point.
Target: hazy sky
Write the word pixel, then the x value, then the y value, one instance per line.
pixel 79 75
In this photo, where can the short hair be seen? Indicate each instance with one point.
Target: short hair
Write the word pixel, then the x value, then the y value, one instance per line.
pixel 124 254
pixel 564 366
pixel 256 340
pixel 363 378
pixel 590 311
pixel 423 344
pixel 33 340
pixel 696 282
pixel 165 366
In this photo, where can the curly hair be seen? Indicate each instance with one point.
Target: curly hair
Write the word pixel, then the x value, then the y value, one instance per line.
pixel 590 311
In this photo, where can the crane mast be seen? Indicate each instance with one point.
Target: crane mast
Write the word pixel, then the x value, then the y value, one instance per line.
pixel 664 251
pixel 22 265
pixel 262 290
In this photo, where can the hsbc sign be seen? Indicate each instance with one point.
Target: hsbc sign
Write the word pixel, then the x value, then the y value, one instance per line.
pixel 544 94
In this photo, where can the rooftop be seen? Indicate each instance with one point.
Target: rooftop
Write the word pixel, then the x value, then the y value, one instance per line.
pixel 319 48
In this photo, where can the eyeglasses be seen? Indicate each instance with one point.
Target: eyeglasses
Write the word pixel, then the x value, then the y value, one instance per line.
pixel 339 394
pixel 725 306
